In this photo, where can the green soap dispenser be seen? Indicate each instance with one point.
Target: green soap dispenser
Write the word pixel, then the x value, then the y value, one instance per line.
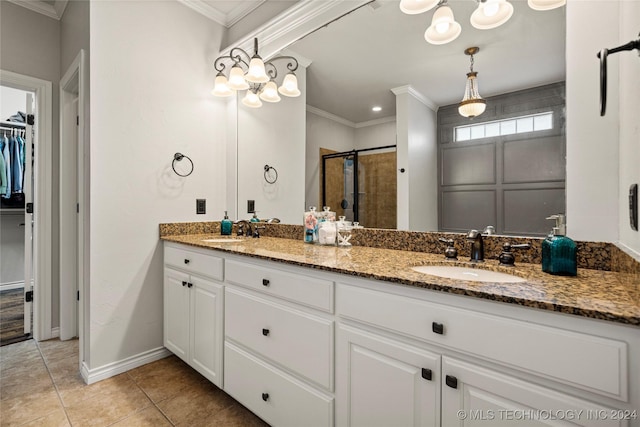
pixel 226 225
pixel 255 218
pixel 559 252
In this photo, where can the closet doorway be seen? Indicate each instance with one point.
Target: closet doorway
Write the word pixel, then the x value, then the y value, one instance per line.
pixel 38 220
pixel 16 217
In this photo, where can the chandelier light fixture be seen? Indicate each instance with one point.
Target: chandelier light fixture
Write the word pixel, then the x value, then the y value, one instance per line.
pixel 472 105
pixel 257 77
pixel 489 14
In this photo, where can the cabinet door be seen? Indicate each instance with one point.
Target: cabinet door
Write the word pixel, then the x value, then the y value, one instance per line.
pixel 176 313
pixel 206 328
pixel 381 382
pixel 475 396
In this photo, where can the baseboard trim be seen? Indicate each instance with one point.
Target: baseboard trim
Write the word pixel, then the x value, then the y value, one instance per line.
pixel 91 376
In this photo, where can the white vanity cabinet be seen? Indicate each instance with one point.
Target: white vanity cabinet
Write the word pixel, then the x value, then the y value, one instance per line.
pixel 279 343
pixel 193 308
pixel 481 368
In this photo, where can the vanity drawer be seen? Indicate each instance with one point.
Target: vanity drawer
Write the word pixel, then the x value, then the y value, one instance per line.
pixel 588 362
pixel 194 261
pixel 306 290
pixel 274 396
pixel 299 341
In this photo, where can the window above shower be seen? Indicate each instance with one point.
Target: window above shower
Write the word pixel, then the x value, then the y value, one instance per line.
pixel 511 126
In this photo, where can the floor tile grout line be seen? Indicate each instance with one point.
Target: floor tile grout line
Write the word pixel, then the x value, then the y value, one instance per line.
pixel 150 399
pixel 55 386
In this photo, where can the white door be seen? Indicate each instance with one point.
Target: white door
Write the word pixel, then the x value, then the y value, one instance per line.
pixel 176 313
pixel 206 328
pixel 28 218
pixel 382 382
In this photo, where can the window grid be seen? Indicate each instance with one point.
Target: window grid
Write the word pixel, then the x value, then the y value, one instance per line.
pixel 515 125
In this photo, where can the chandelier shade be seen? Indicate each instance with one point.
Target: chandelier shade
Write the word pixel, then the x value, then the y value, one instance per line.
pixel 444 27
pixel 546 4
pixel 491 14
pixel 414 7
pixel 487 15
pixel 472 104
pixel 257 77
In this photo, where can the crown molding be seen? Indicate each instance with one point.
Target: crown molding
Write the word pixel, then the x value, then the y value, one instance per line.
pixel 60 6
pixel 240 11
pixel 205 9
pixel 417 95
pixel 299 20
pixel 39 7
pixel 226 20
pixel 318 112
pixel 374 122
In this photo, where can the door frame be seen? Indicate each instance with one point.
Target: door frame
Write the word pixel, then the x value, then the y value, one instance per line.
pixel 73 86
pixel 42 198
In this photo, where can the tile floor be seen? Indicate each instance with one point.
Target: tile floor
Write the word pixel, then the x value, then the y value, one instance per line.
pixel 40 386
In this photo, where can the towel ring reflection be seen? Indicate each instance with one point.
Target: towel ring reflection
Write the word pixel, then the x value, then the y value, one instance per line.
pixel 177 158
pixel 270 174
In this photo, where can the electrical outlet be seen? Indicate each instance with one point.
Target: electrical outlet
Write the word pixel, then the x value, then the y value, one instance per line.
pixel 201 206
pixel 251 206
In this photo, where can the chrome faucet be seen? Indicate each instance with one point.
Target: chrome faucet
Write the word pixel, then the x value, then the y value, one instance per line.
pixel 477 245
pixel 241 223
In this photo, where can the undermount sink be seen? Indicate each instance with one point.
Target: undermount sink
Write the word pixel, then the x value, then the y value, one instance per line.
pixel 222 240
pixel 468 273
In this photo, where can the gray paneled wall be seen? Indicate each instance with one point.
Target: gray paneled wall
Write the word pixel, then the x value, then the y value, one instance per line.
pixel 512 182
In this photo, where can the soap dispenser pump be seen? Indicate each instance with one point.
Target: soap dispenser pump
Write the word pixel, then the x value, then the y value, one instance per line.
pixel 559 252
pixel 226 225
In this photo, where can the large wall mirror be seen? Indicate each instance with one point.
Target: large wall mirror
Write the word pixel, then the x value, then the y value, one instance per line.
pixel 372 55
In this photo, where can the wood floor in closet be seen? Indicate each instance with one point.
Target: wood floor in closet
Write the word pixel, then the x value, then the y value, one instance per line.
pixel 12 316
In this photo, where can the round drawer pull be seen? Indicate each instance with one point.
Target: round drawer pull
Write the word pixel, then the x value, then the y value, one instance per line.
pixel 265 332
pixel 265 396
pixel 187 261
pixel 265 282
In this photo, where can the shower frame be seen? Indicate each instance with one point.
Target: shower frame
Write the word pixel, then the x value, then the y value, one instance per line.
pixel 355 154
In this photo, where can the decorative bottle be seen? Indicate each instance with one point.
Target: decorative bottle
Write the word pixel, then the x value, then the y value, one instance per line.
pixel 559 252
pixel 226 225
pixel 310 225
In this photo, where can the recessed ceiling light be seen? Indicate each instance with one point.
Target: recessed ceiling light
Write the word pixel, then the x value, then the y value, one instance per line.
pixel 376 109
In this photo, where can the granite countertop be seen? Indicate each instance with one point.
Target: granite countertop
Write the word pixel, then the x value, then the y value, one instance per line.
pixel 595 294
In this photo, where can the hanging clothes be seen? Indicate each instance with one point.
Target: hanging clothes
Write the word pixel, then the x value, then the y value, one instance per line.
pixel 6 154
pixel 3 176
pixel 16 163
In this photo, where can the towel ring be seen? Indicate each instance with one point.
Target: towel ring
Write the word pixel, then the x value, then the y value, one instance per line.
pixel 178 157
pixel 270 174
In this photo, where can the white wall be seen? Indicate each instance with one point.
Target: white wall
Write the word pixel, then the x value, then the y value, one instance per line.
pixel 151 77
pixel 372 134
pixel 592 141
pixel 417 154
pixel 629 114
pixel 11 101
pixel 273 135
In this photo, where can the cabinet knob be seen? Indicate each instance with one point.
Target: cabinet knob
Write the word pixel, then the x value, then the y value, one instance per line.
pixel 187 261
pixel 265 332
pixel 265 396
pixel 451 381
pixel 437 328
pixel 184 283
pixel 265 282
pixel 189 285
pixel 426 374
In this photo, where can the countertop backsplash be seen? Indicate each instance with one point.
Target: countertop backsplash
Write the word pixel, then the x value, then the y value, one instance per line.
pixel 592 255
